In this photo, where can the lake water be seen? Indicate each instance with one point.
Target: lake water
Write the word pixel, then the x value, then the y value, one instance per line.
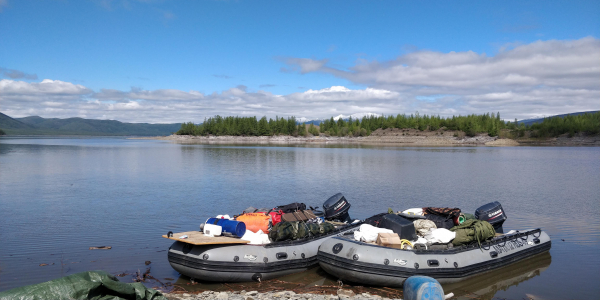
pixel 60 196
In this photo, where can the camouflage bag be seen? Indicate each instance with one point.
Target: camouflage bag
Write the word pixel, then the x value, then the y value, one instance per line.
pixel 308 229
pixel 283 231
pixel 326 228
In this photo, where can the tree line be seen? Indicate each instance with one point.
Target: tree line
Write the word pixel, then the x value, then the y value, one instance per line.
pixel 588 123
pixel 472 124
pixel 248 126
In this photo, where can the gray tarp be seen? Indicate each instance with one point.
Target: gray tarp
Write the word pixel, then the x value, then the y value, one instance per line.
pixel 93 285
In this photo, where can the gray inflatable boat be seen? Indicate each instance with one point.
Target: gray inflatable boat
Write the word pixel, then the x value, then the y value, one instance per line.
pixel 370 264
pixel 243 262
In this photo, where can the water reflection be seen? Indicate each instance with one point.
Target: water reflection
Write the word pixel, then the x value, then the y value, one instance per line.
pixel 315 280
pixel 487 286
pixel 77 193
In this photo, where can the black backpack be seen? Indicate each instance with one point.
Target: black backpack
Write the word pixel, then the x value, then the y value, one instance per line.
pixel 375 220
pixel 292 207
pixel 440 222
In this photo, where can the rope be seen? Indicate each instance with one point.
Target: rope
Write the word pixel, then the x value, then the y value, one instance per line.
pixel 403 244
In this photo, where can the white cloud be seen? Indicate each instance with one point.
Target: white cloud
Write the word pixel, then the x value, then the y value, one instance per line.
pixel 537 79
pixel 574 64
pixel 54 98
pixel 46 87
pixel 340 93
pixel 531 76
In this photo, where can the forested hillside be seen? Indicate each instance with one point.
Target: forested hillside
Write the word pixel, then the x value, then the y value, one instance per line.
pixel 473 124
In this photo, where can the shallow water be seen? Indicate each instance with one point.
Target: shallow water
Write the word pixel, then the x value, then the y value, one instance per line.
pixel 60 196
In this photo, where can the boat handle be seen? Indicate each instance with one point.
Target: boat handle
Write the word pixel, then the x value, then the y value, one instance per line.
pixel 536 240
pixel 433 263
pixel 281 255
pixel 170 234
pixel 494 254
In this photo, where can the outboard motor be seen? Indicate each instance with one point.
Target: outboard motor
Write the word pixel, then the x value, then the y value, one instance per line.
pixel 493 213
pixel 336 209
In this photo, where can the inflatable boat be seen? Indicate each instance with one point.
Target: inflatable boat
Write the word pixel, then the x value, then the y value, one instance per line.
pixel 365 263
pixel 247 262
pixel 243 262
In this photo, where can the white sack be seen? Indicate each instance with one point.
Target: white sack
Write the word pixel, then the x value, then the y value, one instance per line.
pixel 258 238
pixel 420 240
pixel 414 211
pixel 440 235
pixel 368 233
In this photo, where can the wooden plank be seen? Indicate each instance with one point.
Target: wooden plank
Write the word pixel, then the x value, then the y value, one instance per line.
pixel 198 238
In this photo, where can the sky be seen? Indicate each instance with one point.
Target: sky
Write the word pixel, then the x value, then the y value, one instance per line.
pixel 169 61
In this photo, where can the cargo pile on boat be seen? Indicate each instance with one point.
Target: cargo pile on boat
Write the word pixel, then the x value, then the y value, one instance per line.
pixel 443 243
pixel 432 227
pixel 288 222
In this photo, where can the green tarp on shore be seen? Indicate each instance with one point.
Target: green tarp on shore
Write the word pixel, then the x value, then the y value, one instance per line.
pixel 92 285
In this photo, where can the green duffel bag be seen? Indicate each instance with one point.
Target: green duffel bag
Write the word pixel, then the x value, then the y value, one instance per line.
pixel 308 229
pixel 326 228
pixel 471 231
pixel 283 231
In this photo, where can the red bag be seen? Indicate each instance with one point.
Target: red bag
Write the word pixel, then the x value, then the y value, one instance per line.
pixel 275 217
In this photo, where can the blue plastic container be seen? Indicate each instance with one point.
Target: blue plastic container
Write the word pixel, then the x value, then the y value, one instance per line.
pixel 422 288
pixel 232 227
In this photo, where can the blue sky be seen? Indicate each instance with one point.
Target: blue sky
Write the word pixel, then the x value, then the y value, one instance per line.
pixel 173 61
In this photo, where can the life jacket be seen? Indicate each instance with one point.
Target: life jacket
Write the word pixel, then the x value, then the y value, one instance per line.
pixel 256 221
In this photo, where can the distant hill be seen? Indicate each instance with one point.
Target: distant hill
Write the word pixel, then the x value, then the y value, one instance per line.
pixel 35 125
pixel 529 122
pixel 7 122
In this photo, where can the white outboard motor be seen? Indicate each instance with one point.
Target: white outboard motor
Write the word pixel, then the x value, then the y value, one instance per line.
pixel 336 209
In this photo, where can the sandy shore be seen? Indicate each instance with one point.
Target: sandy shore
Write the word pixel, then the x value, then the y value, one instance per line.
pixel 388 137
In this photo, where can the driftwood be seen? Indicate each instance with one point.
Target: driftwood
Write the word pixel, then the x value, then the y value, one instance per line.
pixel 101 248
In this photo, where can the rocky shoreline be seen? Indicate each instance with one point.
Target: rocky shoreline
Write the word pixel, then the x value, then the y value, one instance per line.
pixel 388 137
pixel 325 140
pixel 342 294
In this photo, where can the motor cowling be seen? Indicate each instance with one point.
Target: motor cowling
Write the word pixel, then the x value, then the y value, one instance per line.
pixel 336 208
pixel 493 213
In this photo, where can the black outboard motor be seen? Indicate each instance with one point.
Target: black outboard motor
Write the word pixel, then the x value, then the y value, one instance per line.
pixel 336 208
pixel 492 213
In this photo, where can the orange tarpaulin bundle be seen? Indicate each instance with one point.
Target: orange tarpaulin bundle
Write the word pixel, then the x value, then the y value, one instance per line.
pixel 255 221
